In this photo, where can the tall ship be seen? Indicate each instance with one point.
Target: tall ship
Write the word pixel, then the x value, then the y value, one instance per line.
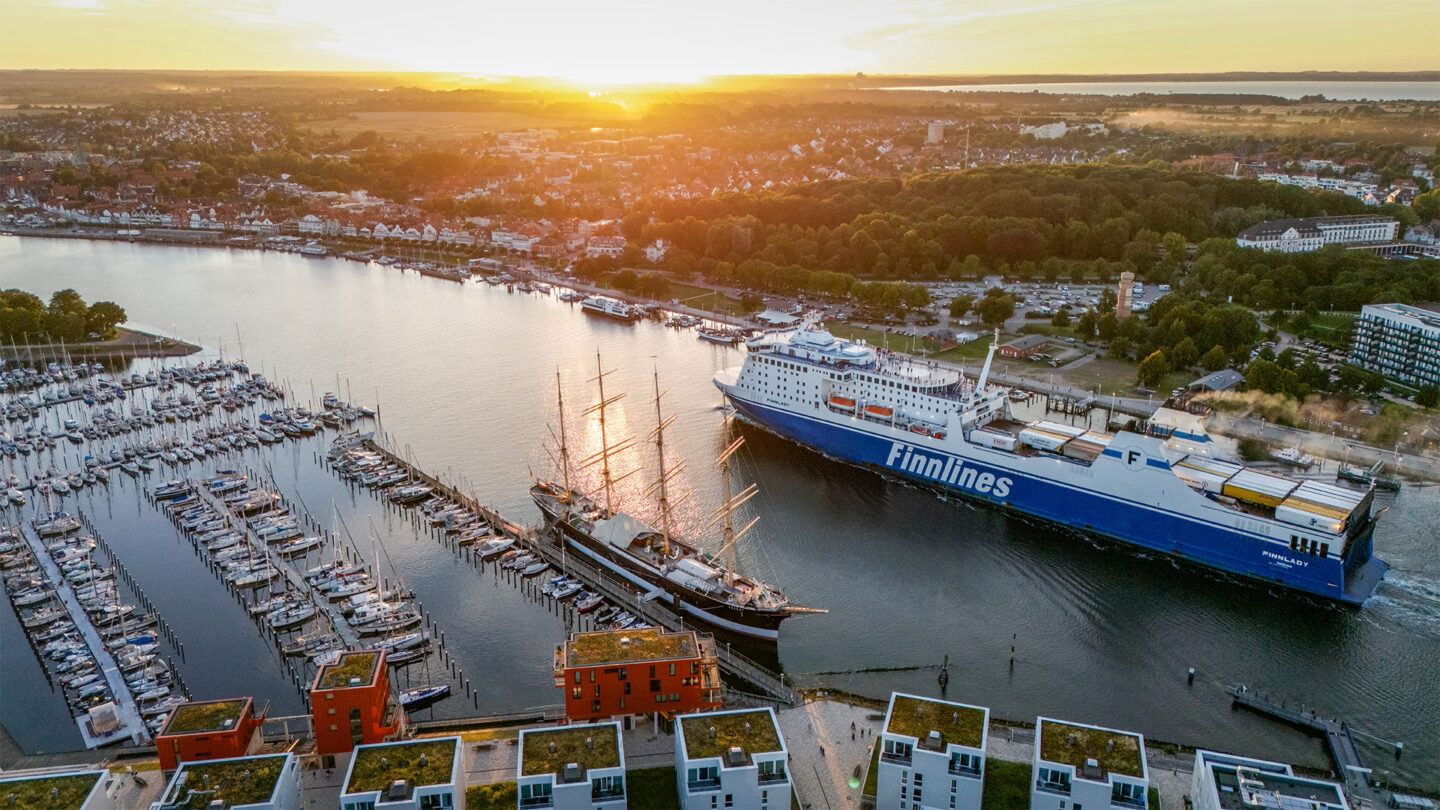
pixel 660 564
pixel 612 308
pixel 1162 490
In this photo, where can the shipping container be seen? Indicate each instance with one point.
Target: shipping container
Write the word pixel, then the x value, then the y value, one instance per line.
pixel 1211 465
pixel 1043 439
pixel 994 439
pixel 1255 487
pixel 1201 479
pixel 1305 518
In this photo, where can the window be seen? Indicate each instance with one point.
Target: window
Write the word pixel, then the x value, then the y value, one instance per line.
pixel 597 690
pixel 672 669
pixel 627 687
pixel 660 698
pixel 577 676
pixel 592 676
pixel 652 672
pixel 674 696
pixel 654 683
pixel 436 801
pixel 729 799
pixel 595 706
pixel 575 693
pixel 622 677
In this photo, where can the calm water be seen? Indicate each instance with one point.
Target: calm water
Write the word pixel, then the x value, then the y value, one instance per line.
pixel 1334 91
pixel 465 376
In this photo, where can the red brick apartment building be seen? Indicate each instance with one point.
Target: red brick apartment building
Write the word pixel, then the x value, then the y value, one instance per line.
pixel 350 703
pixel 621 673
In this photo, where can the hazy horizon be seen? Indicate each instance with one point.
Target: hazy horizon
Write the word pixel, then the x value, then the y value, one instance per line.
pixel 635 41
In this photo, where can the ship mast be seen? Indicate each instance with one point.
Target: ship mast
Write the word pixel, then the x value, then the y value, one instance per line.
pixel 666 473
pixel 606 449
pixel 732 503
pixel 564 450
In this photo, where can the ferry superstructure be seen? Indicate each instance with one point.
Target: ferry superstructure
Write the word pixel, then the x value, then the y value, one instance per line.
pixel 933 425
pixel 611 308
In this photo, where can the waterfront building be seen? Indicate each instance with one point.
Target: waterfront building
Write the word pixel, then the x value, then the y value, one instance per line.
pixel 1227 782
pixel 577 767
pixel 1076 765
pixel 612 246
pixel 416 775
pixel 1400 341
pixel 1305 235
pixel 932 755
pixel 623 673
pixel 1125 296
pixel 270 782
pixel 208 729
pixel 731 759
pixel 351 704
pixel 77 790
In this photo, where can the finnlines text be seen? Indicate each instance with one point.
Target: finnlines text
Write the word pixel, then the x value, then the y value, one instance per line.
pixel 949 470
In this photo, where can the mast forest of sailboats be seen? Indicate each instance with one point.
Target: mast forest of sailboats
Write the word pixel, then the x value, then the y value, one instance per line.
pixel 662 566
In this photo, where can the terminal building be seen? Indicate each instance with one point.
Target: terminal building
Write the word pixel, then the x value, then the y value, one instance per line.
pixel 1305 235
pixel 1076 765
pixel 1399 341
pixel 1225 782
pixel 619 674
pixel 576 767
pixel 932 755
pixel 731 759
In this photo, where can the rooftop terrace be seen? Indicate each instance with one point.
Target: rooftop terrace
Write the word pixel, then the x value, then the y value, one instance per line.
pixel 209 715
pixel 351 666
pixel 957 724
pixel 67 792
pixel 537 758
pixel 376 766
pixel 762 738
pixel 1116 751
pixel 250 780
pixel 628 646
pixel 1304 790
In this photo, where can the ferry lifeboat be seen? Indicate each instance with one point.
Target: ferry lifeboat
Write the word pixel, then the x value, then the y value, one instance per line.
pixel 842 404
pixel 879 411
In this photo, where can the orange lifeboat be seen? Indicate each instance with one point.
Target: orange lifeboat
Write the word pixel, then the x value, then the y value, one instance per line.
pixel 879 410
pixel 843 402
pixel 921 429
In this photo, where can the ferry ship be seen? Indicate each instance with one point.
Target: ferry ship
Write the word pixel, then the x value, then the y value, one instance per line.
pixel 1162 490
pixel 611 308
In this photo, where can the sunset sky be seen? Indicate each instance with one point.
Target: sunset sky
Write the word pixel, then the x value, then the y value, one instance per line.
pixel 680 40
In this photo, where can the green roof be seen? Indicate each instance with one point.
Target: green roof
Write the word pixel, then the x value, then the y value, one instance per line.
pixel 628 646
pixel 603 752
pixel 210 715
pixel 1116 751
pixel 71 790
pixel 402 761
pixel 729 727
pixel 957 724
pixel 350 666
pixel 250 780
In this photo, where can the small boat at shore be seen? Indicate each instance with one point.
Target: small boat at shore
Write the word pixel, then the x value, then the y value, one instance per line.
pixel 423 696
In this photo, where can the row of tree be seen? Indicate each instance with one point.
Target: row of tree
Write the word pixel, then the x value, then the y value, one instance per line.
pixel 25 318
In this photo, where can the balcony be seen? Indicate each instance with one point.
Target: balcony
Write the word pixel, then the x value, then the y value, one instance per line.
pixel 1056 788
pixel 972 771
pixel 537 801
pixel 1135 802
pixel 702 785
pixel 895 759
pixel 608 794
pixel 773 777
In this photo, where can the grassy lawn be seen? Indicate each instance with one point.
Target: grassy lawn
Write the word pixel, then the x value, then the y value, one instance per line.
pixel 1113 376
pixel 1007 785
pixel 402 761
pixel 499 796
pixel 1154 795
pixel 650 787
pixel 34 794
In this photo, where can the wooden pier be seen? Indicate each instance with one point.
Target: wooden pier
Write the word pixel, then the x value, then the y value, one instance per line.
pixel 618 592
pixel 1337 738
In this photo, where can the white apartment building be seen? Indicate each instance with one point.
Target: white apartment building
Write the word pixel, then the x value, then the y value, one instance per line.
pixel 576 767
pixel 932 755
pixel 421 774
pixel 1305 235
pixel 269 782
pixel 731 759
pixel 1226 782
pixel 38 790
pixel 1399 341
pixel 1077 766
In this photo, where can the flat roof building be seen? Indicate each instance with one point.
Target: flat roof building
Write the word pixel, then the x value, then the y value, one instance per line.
pixel 208 729
pixel 270 782
pixel 1222 380
pixel 1400 341
pixel 731 759
pixel 79 790
pixel 414 775
pixel 932 754
pixel 1076 764
pixel 1228 782
pixel 575 767
pixel 620 673
pixel 351 704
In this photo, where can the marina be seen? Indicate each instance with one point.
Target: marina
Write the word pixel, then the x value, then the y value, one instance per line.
pixel 880 555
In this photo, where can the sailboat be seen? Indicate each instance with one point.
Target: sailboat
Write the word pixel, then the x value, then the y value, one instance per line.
pixel 663 566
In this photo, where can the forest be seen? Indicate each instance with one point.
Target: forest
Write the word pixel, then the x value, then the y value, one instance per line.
pixel 25 318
